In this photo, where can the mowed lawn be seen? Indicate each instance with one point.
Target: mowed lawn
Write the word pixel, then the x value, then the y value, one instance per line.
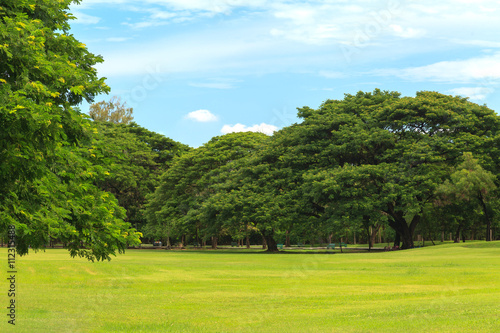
pixel 448 288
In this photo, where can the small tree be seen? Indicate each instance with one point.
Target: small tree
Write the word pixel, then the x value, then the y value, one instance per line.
pixel 470 183
pixel 113 111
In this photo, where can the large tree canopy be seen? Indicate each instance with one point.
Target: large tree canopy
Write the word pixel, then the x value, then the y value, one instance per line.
pixel 384 154
pixel 46 173
pixel 174 208
pixel 262 190
pixel 368 161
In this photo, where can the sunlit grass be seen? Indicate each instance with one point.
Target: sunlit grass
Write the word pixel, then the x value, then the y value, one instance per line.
pixel 448 288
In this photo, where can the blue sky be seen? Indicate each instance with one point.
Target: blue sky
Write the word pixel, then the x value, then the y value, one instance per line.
pixel 195 69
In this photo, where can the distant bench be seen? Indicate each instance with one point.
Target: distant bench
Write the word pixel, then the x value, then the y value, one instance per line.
pixel 332 246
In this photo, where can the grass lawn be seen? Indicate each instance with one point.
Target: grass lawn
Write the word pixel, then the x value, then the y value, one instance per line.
pixel 447 288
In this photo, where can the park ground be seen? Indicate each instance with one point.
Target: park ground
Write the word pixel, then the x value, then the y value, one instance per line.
pixel 445 288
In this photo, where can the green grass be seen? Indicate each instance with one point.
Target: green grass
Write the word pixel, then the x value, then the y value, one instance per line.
pixel 448 288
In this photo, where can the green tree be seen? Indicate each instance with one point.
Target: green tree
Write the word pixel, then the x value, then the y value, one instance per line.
pixel 470 185
pixel 65 206
pixel 43 72
pixel 115 111
pixel 351 193
pixel 164 148
pixel 262 191
pixel 380 154
pixel 135 158
pixel 45 173
pixel 189 181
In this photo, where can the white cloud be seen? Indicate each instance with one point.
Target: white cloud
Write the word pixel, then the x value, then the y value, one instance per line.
pixel 82 18
pixel 311 34
pixel 485 69
pixel 488 9
pixel 281 35
pixel 202 116
pixel 406 32
pixel 163 15
pixel 480 43
pixel 212 6
pixel 262 128
pixel 183 54
pixel 474 93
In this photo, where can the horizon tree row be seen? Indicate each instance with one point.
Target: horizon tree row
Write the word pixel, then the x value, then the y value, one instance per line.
pixel 372 160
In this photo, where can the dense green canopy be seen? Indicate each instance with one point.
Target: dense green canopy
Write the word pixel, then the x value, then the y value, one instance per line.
pixel 369 161
pixel 381 156
pixel 134 158
pixel 174 209
pixel 46 171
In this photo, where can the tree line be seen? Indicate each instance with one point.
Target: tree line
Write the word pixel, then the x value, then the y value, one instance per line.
pixel 373 161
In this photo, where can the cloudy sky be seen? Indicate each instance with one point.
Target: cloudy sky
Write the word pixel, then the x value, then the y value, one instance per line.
pixel 194 69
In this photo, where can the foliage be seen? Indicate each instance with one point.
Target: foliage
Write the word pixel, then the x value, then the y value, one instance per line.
pixel 45 171
pixel 165 149
pixel 44 70
pixel 470 187
pixel 368 161
pixel 113 111
pixel 262 191
pixel 190 180
pixel 135 158
pixel 378 155
pixel 65 206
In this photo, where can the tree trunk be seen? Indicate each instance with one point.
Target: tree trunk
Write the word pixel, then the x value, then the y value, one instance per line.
pixel 183 241
pixel 287 240
pixel 430 237
pixel 373 235
pixel 442 236
pixel 264 243
pixel 399 224
pixel 214 242
pixel 272 246
pixel 397 240
pixel 457 235
pixel 486 217
pixel 354 232
pixel 368 227
pixel 198 240
pixel 248 241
